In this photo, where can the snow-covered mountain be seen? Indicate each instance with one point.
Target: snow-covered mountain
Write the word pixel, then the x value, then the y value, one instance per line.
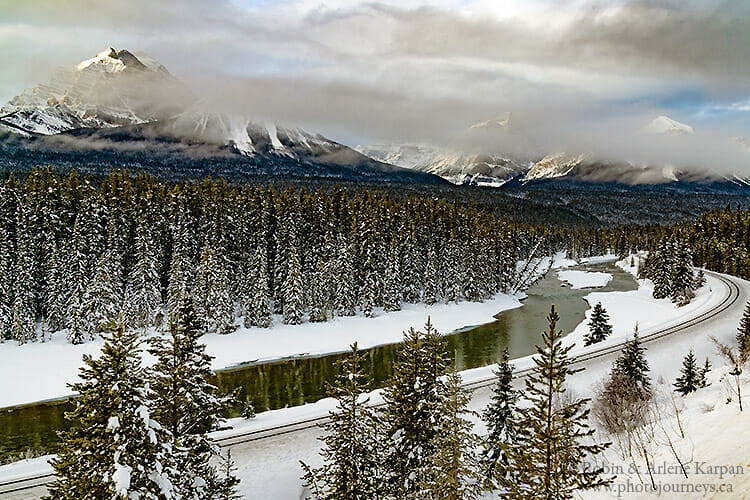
pixel 481 168
pixel 452 165
pixel 470 164
pixel 665 125
pixel 125 107
pixel 112 89
pixel 553 166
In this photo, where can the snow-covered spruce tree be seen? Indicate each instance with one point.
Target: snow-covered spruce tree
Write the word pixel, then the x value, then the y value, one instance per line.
pixel 500 417
pixel 256 291
pixel 320 296
pixel 367 293
pixel 181 269
pixel 599 327
pixel 632 364
pixel 143 295
pixel 344 294
pixel 352 450
pixel 412 280
pixel 6 287
pixel 683 280
pixel 87 244
pixel 211 299
pixel 412 408
pixel 472 282
pixel 76 308
pixel 548 459
pixel 114 450
pixel 453 272
pixel 660 272
pixel 59 296
pixel 104 296
pixel 23 326
pixel 689 381
pixel 743 332
pixel 293 300
pixel 431 277
pixel 455 470
pixel 393 287
pixel 187 405
pixel 700 279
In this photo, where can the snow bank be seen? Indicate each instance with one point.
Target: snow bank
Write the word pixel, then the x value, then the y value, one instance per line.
pixel 48 367
pixel 600 259
pixel 584 279
pixel 560 261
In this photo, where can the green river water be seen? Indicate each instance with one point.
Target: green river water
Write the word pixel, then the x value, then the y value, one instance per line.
pixel 296 381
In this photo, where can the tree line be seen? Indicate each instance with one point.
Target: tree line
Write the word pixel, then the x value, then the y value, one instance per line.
pixel 74 254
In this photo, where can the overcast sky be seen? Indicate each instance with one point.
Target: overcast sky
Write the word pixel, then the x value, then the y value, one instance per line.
pixel 578 75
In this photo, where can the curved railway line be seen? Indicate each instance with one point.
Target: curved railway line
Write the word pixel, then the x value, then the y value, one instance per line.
pixel 19 485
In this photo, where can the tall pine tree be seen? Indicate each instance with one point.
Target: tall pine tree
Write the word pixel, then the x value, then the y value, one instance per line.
pixel 187 405
pixel 500 417
pixel 548 460
pixel 743 332
pixel 256 291
pixel 293 300
pixel 690 380
pixel 633 365
pixel 412 409
pixel 211 300
pixel 454 471
pixel 143 295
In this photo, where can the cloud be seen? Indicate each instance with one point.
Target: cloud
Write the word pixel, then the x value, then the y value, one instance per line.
pixel 583 75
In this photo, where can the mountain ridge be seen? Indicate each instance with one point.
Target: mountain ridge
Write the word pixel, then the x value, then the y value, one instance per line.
pixel 119 107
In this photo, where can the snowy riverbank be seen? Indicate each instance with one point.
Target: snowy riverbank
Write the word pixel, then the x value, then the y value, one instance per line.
pixel 48 367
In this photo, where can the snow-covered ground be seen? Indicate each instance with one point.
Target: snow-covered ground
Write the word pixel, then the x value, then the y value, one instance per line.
pixel 714 448
pixel 715 431
pixel 584 279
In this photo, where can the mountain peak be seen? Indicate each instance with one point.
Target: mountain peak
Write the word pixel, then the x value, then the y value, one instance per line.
pixel 111 89
pixel 667 126
pixel 502 121
pixel 112 61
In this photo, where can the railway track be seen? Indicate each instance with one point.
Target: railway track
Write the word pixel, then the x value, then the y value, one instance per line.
pixel 35 481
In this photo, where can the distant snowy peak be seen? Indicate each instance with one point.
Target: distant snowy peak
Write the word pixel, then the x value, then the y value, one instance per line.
pixel 454 166
pixel 119 88
pixel 663 125
pixel 553 166
pixel 111 61
pixel 501 122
